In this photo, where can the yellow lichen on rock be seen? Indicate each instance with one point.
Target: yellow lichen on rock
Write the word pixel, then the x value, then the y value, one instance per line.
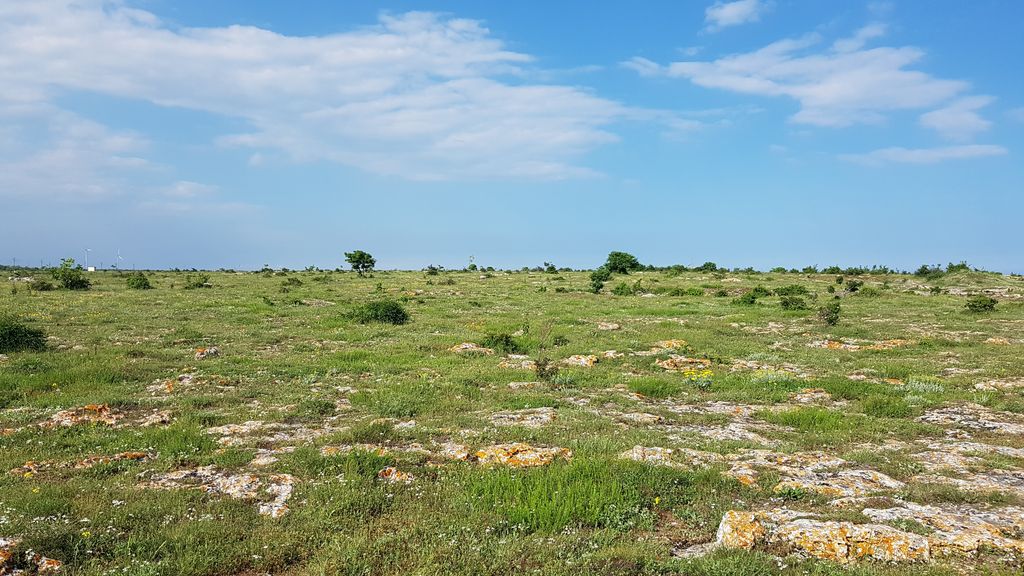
pixel 520 455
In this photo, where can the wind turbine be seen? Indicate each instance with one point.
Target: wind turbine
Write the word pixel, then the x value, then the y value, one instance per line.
pixel 87 250
pixel 117 263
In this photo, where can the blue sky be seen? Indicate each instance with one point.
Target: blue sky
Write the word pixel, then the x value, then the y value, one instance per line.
pixel 750 133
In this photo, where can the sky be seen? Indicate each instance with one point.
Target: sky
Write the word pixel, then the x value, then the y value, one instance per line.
pixel 244 133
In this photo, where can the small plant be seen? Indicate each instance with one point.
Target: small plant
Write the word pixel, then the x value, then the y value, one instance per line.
pixel 15 336
pixel 854 285
pixel 654 387
pixel 360 261
pixel 138 281
pixel 700 379
pixel 291 282
pixel 793 303
pixel 747 299
pixel 195 281
pixel 40 285
pixel 503 343
pixel 793 290
pixel 545 369
pixel 70 276
pixel 829 313
pixel 382 311
pixel 721 293
pixel 980 304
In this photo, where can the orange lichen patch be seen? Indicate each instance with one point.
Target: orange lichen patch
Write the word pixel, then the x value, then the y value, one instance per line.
pixel 7 431
pixel 744 474
pixel 998 341
pixel 673 344
pixel 530 418
pixel 582 360
pixel 7 546
pixel 841 542
pixel 517 362
pixel 342 450
pixel 272 493
pixel 811 396
pixel 207 352
pixel 43 565
pixel 88 414
pixel 652 455
pixel 520 455
pixel 960 530
pixel 678 363
pixel 396 476
pixel 470 348
pixel 975 417
pixel 781 369
pixel 611 354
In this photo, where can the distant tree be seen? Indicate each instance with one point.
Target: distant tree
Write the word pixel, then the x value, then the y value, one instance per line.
pixel 361 261
pixel 70 276
pixel 622 263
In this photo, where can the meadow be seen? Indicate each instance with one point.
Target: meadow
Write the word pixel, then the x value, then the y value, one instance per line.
pixel 675 422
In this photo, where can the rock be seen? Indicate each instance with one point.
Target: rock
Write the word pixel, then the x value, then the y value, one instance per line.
pixel 471 348
pixel 88 414
pixel 395 476
pixel 7 546
pixel 517 362
pixel 853 346
pixel 1009 481
pixel 975 417
pixel 276 489
pixel 678 363
pixel 1000 385
pixel 658 456
pixel 210 352
pixel 608 326
pixel 812 396
pixel 781 369
pixel 520 455
pixel 960 530
pixel 454 451
pixel 842 484
pixel 315 303
pixel 530 418
pixel 582 360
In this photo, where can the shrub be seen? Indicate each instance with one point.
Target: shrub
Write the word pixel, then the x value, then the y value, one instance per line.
pixel 70 276
pixel 382 311
pixel 748 299
pixel 793 303
pixel 291 281
pixel 15 336
pixel 931 272
pixel 981 304
pixel 503 343
pixel 870 292
pixel 138 281
pixel 598 278
pixel 624 289
pixel 41 285
pixel 622 263
pixel 721 293
pixel 194 281
pixel 829 313
pixel 432 270
pixel 961 267
pixel 854 285
pixel 546 370
pixel 792 290
pixel 760 291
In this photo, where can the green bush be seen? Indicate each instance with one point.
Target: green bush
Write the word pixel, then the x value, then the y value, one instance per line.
pixel 503 343
pixel 15 336
pixel 793 303
pixel 382 311
pixel 70 276
pixel 138 281
pixel 981 304
pixel 792 290
pixel 747 299
pixel 598 278
pixel 760 291
pixel 829 313
pixel 193 282
pixel 854 285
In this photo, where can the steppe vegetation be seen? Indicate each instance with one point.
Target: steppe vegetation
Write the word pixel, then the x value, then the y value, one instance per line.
pixel 547 421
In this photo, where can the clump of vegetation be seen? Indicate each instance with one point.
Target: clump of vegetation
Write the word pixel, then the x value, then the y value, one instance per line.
pixel 382 311
pixel 979 304
pixel 432 270
pixel 598 278
pixel 792 290
pixel 793 303
pixel 16 336
pixel 361 262
pixel 138 281
pixel 829 313
pixel 854 285
pixel 40 285
pixel 622 263
pixel 291 282
pixel 70 276
pixel 195 281
pixel 885 407
pixel 747 299
pixel 503 343
pixel 625 289
pixel 655 387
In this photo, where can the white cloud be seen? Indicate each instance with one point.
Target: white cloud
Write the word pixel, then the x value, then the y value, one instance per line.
pixel 416 95
pixel 724 14
pixel 840 86
pixel 188 189
pixel 898 155
pixel 959 120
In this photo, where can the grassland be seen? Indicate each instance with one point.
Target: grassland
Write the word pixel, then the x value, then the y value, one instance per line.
pixel 154 479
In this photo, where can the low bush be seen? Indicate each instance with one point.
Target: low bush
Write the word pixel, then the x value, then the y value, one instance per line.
pixel 16 336
pixel 41 285
pixel 747 299
pixel 503 343
pixel 70 276
pixel 194 281
pixel 829 313
pixel 382 311
pixel 793 303
pixel 138 281
pixel 981 304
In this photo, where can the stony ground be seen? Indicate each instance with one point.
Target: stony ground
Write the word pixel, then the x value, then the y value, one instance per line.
pixel 251 427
